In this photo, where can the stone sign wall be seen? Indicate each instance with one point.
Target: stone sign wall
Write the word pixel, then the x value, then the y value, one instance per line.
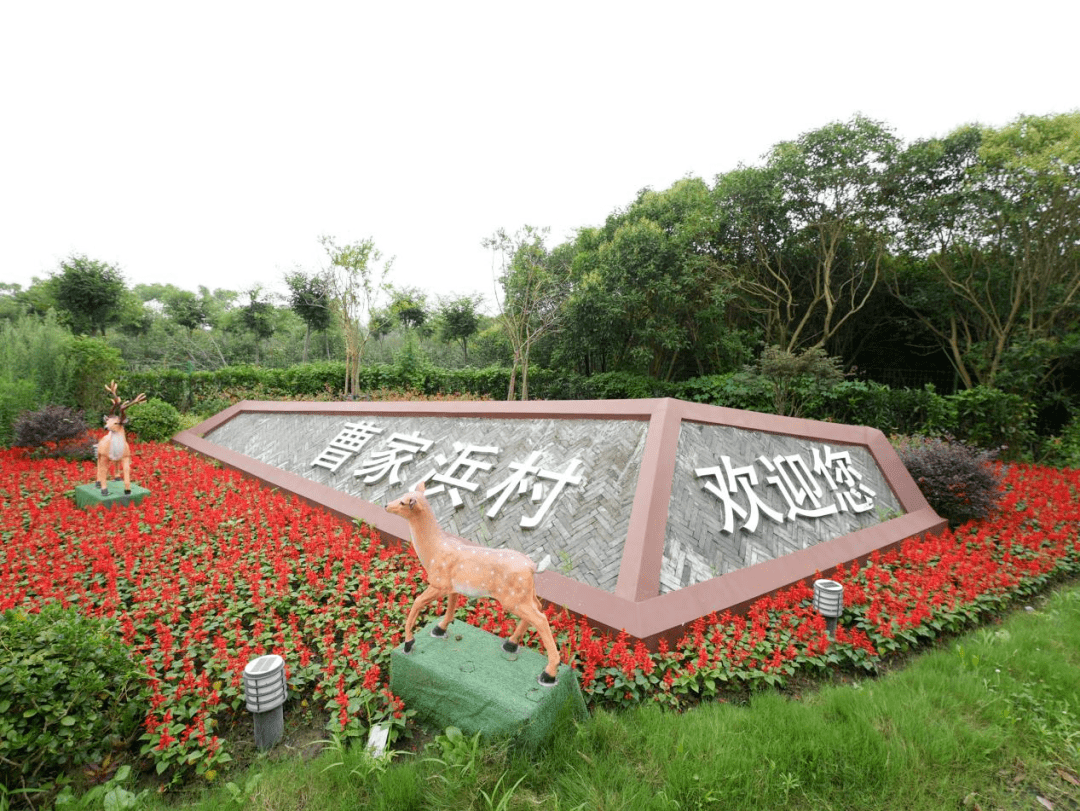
pixel 647 513
pixel 742 497
pixel 556 489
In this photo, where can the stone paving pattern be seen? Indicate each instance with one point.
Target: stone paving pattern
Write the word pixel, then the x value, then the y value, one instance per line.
pixel 583 532
pixel 696 546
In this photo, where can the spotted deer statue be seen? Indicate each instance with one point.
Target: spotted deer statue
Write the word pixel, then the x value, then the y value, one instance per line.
pixel 457 568
pixel 113 448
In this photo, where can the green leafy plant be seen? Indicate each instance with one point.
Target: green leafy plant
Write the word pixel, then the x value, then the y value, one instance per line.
pixel 241 796
pixel 990 418
pixel 796 376
pixel 458 752
pixel 1064 450
pixel 112 795
pixel 154 421
pixel 69 693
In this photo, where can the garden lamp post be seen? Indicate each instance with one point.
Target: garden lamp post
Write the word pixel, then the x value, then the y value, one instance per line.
pixel 829 602
pixel 264 694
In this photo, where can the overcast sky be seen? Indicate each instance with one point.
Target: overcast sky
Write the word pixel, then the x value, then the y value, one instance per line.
pixel 212 144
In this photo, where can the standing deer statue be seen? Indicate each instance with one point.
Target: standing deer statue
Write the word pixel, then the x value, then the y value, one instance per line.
pixel 455 568
pixel 113 447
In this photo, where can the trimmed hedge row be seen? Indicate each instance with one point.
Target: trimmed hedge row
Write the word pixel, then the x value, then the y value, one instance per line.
pixel 983 417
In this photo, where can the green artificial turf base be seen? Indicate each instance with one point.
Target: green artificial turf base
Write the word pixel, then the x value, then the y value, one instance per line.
pixel 466 680
pixel 89 495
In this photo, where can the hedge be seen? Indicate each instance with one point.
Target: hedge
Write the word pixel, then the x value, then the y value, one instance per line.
pixel 982 417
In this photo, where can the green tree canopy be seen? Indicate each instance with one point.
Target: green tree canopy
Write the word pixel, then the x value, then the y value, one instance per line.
pixel 991 234
pixel 458 320
pixel 89 294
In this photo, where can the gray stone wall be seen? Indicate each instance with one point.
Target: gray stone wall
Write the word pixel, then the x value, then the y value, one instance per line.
pixel 738 497
pixel 581 533
pixel 710 533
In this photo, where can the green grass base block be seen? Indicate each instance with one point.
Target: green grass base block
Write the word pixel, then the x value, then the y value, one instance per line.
pixel 89 495
pixel 466 680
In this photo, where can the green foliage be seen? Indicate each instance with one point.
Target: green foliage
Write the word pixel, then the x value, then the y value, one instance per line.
pixel 94 364
pixel 733 390
pixel 990 418
pixel 412 364
pixel 795 377
pixel 154 420
pixel 1063 450
pixel 89 293
pixel 16 397
pixel 959 482
pixel 36 367
pixel 113 795
pixel 70 693
pixel 459 321
pixel 894 411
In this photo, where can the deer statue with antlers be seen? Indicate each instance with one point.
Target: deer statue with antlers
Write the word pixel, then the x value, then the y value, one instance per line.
pixel 113 447
pixel 455 568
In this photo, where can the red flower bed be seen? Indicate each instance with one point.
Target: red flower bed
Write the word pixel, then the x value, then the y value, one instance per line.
pixel 212 571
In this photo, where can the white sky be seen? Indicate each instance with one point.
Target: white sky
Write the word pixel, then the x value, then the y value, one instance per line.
pixel 211 143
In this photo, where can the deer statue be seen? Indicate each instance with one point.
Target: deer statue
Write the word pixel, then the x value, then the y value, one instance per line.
pixel 455 568
pixel 113 447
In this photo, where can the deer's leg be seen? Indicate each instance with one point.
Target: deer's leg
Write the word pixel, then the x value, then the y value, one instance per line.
pixel 125 466
pixel 103 473
pixel 534 616
pixel 451 607
pixel 430 595
pixel 511 644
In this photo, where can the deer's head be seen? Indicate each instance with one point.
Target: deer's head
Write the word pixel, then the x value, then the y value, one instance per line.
pixel 409 504
pixel 116 419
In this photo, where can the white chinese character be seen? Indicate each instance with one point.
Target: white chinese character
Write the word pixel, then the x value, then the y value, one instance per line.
pixel 451 480
pixel 561 480
pixel 837 469
pixel 518 479
pixel 349 440
pixel 403 449
pixel 792 476
pixel 729 480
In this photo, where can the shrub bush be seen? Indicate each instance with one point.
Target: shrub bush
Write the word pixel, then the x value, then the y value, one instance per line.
pixel 69 694
pixel 154 421
pixel 54 430
pixel 961 483
pixel 16 397
pixel 1063 450
pixel 94 364
pixel 733 390
pixel 990 418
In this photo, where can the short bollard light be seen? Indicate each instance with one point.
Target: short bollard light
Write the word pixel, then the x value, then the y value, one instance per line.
pixel 264 694
pixel 829 601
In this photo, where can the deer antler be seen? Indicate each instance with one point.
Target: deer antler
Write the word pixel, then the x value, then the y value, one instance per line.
pixel 118 405
pixel 114 397
pixel 140 399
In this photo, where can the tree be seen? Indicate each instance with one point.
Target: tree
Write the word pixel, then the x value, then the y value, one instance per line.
pixel 533 293
pixel 991 234
pixel 408 305
pixel 89 293
pixel 809 229
pixel 458 320
pixel 354 281
pixel 12 301
pixel 257 317
pixel 185 309
pixel 309 298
